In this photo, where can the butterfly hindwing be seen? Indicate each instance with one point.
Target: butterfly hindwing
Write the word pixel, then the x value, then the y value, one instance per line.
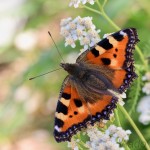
pixel 71 113
pixel 75 114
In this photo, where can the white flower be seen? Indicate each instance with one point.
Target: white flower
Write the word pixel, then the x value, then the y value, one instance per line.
pixel 109 139
pixel 144 109
pixel 65 21
pixel 78 140
pixel 22 94
pixel 73 144
pixel 123 95
pixel 145 118
pixel 26 41
pixel 70 41
pixel 146 88
pixel 111 130
pixel 104 121
pixel 81 29
pixel 76 3
pixel 85 41
pixel 146 77
pixel 118 133
pixel 121 135
pixel 71 57
pixel 76 148
pixel 69 144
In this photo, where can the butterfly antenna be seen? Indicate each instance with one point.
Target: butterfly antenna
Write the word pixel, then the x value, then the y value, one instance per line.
pixel 56 46
pixel 44 74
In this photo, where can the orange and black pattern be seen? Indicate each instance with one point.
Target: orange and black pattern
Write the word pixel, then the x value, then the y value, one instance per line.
pixel 108 65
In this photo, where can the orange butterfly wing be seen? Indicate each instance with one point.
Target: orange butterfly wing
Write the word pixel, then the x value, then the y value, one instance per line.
pixel 115 52
pixel 73 114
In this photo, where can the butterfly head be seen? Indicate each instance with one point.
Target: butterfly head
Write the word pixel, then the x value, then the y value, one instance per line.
pixel 64 66
pixel 73 69
pixel 70 68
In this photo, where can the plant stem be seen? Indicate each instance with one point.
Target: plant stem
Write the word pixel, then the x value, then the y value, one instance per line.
pixel 106 16
pixel 141 56
pixel 93 10
pixel 137 83
pixel 81 142
pixel 135 127
pixel 104 3
pixel 117 118
pixel 109 20
pixel 119 124
pixel 125 146
pixel 99 5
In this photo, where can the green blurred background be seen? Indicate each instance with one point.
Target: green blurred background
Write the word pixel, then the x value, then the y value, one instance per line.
pixel 27 107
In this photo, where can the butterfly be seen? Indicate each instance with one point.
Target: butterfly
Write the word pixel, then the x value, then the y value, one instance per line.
pixel 88 92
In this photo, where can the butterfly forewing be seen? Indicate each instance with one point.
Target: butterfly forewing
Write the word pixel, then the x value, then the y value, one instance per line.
pixel 115 52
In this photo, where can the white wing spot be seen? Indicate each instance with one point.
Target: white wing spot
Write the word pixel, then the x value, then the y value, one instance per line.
pixel 65 102
pixel 61 116
pixel 57 128
pixel 123 33
pixel 100 49
pixel 112 41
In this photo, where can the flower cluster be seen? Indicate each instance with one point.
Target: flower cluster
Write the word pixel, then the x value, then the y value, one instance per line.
pixel 146 88
pixel 144 104
pixel 110 139
pixel 76 3
pixel 144 109
pixel 81 29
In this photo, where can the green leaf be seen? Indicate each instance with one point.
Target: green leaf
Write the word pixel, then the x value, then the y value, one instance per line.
pixel 134 93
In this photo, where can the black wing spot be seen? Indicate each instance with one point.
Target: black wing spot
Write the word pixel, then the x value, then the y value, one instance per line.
pixel 75 112
pixel 116 49
pixel 70 116
pixel 95 52
pixel 59 122
pixel 106 61
pixel 66 96
pixel 78 102
pixel 61 108
pixel 114 55
pixel 118 36
pixel 105 44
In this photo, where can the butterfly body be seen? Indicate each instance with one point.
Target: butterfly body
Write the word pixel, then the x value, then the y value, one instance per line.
pixel 89 92
pixel 91 81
